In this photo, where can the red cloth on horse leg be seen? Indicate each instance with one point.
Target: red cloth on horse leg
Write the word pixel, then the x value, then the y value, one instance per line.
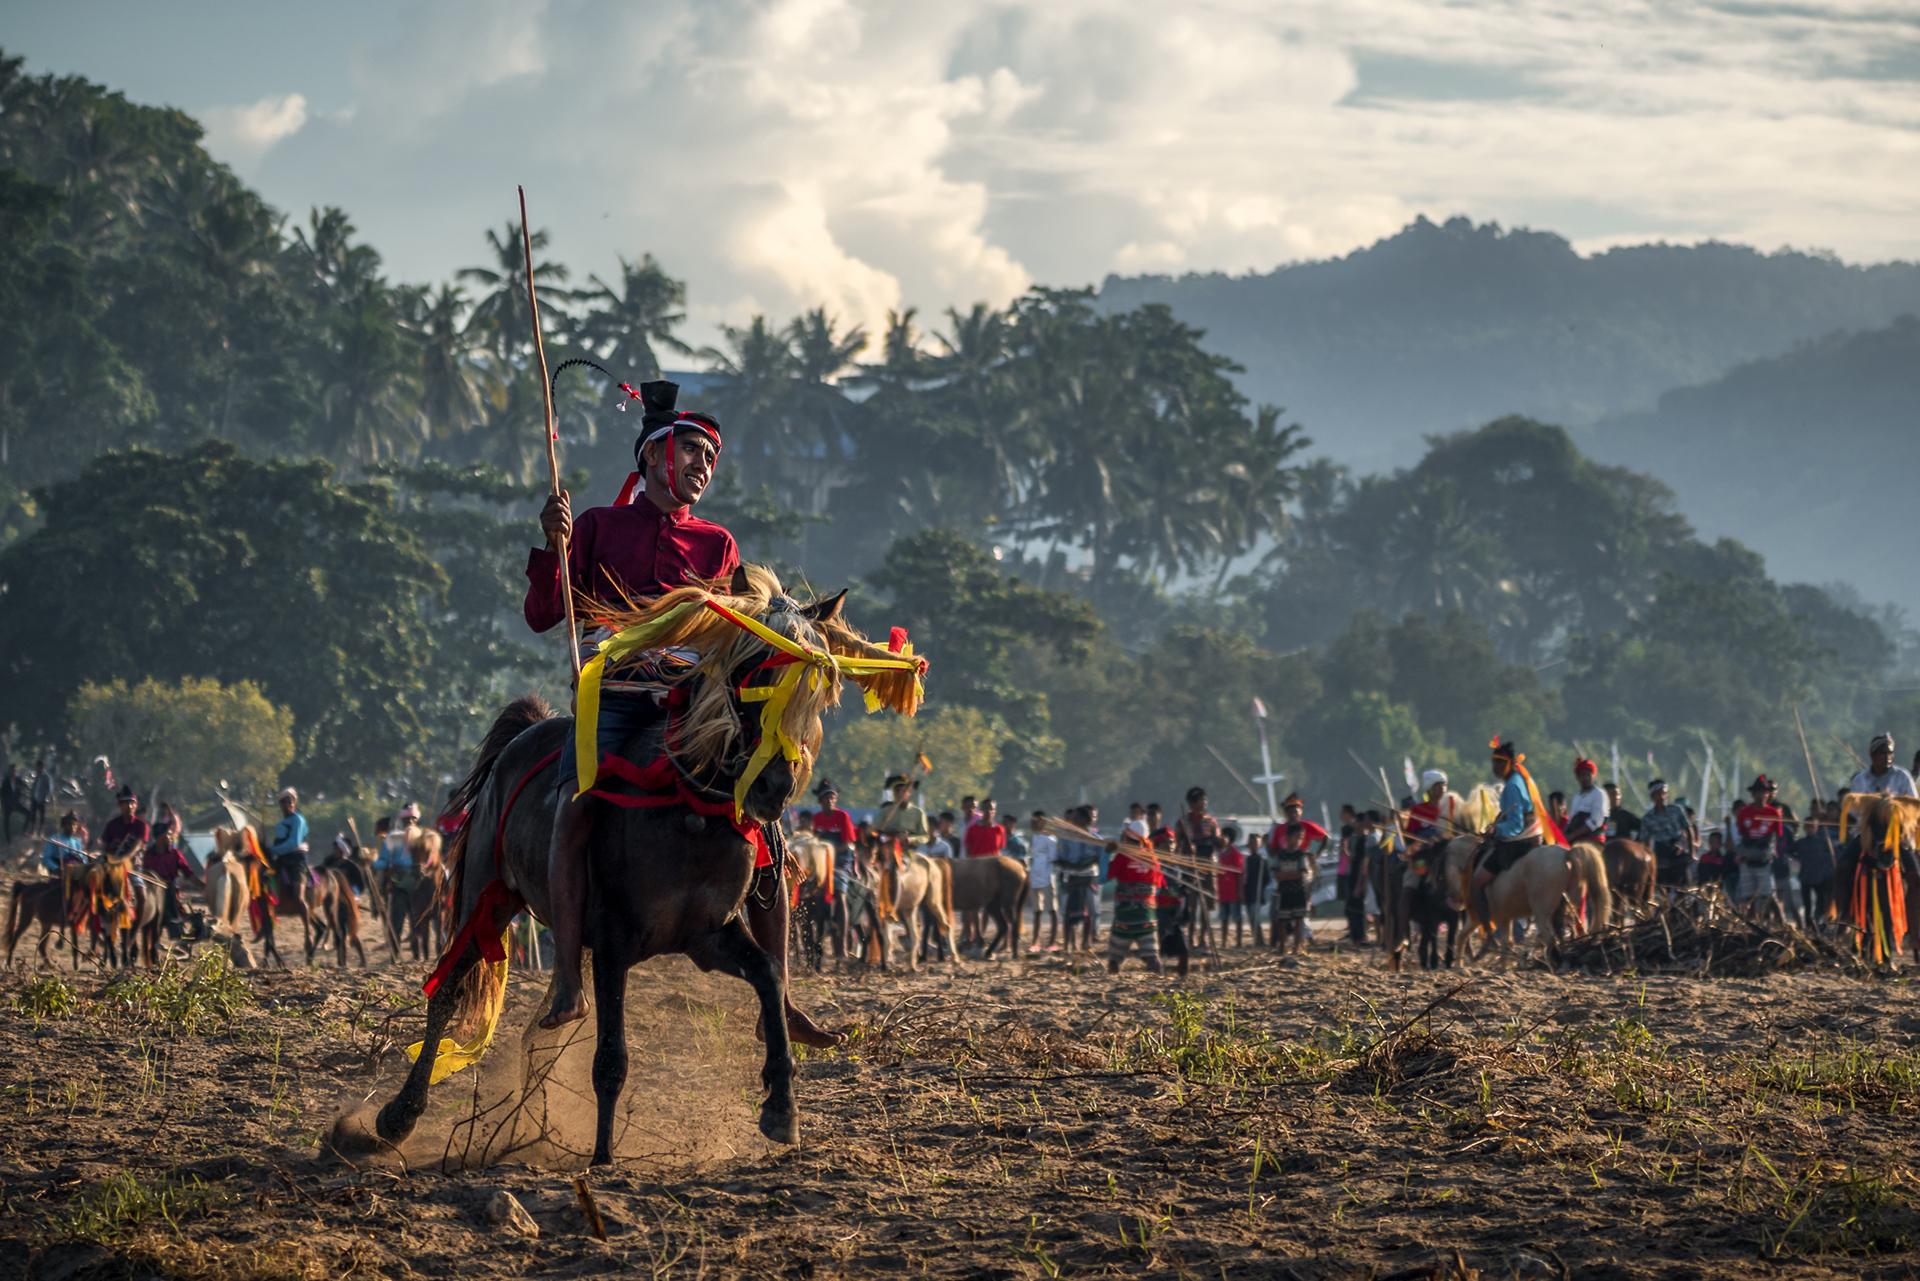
pixel 483 927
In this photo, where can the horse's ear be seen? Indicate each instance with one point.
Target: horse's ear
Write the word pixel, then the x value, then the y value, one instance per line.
pixel 741 585
pixel 828 610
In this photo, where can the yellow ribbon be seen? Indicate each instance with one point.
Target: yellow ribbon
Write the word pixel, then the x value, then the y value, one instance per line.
pixel 454 1057
pixel 808 661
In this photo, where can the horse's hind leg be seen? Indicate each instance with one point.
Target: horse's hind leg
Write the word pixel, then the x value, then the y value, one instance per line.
pixel 731 950
pixel 609 1049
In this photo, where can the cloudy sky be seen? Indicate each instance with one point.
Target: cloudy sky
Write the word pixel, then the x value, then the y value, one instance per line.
pixel 869 155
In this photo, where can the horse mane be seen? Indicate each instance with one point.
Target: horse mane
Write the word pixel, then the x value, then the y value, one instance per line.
pixel 514 718
pixel 710 731
pixel 1890 820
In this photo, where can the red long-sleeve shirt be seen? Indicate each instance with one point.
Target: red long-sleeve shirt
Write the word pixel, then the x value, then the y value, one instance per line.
pixel 836 824
pixel 632 552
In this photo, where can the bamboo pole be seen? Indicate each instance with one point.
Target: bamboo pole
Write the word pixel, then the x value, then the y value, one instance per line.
pixel 553 431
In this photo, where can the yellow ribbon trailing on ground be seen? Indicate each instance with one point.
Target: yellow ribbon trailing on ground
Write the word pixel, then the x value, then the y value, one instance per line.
pixel 879 678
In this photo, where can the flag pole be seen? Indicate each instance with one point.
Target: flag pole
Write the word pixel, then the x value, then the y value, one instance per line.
pixel 552 431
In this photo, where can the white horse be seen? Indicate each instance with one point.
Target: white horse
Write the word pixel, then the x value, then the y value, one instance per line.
pixel 1534 886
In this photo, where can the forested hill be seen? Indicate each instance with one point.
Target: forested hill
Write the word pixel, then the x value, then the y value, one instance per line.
pixel 1804 457
pixel 1445 326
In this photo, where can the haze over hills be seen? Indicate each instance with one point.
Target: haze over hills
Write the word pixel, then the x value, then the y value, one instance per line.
pixel 1446 326
pixel 1805 457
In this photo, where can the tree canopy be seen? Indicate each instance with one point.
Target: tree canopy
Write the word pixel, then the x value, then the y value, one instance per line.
pixel 233 450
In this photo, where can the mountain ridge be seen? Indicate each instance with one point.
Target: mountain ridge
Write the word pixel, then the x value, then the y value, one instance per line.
pixel 1443 326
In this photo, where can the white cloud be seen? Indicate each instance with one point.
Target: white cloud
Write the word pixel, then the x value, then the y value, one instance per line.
pixel 865 156
pixel 241 135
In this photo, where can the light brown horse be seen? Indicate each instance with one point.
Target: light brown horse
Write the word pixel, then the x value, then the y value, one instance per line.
pixel 1871 869
pixel 810 865
pixel 919 896
pixel 998 887
pixel 1535 886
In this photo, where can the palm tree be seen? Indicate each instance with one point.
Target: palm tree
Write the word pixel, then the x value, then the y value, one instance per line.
pixel 754 372
pixel 330 264
pixel 370 400
pixel 501 311
pixel 627 327
pixel 978 389
pixel 451 379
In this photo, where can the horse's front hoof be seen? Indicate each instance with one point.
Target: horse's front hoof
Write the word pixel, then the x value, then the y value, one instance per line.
pixel 393 1124
pixel 779 1124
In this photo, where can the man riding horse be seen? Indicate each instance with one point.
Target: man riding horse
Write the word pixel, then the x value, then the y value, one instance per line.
pixel 1516 830
pixel 645 544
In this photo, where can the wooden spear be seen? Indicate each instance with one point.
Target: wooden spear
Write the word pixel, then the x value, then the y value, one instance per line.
pixel 553 431
pixel 1806 753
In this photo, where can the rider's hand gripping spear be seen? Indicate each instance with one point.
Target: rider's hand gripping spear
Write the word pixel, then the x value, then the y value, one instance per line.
pixel 553 434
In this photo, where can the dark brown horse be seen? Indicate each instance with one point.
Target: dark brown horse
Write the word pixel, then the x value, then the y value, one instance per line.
pixel 662 879
pixel 48 905
pixel 141 939
pixel 1632 871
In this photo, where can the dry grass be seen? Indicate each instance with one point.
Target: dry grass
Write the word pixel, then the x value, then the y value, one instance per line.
pixel 1273 1118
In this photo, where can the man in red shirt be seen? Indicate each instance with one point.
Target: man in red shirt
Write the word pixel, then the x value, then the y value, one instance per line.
pixel 126 832
pixel 986 837
pixel 835 826
pixel 1757 827
pixel 647 543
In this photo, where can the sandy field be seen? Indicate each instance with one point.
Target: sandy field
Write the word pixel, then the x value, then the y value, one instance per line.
pixel 1274 1118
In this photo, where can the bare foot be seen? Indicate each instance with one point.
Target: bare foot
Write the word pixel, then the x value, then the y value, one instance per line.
pixel 567 1008
pixel 802 1030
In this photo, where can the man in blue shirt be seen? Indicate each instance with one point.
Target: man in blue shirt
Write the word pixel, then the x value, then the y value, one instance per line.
pixel 288 846
pixel 1515 831
pixel 64 847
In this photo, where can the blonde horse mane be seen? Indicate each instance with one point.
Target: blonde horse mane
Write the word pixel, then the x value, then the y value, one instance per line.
pixel 1895 820
pixel 711 731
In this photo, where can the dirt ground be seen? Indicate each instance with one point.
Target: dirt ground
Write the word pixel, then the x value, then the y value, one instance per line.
pixel 1316 1118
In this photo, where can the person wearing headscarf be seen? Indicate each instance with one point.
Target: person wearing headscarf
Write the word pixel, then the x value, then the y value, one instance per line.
pixel 126 832
pixel 900 818
pixel 1880 773
pixel 1586 808
pixel 646 543
pixel 1516 830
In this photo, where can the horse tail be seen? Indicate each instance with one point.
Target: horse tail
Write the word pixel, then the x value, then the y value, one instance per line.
pixel 514 719
pixel 943 879
pixel 477 1005
pixel 14 927
pixel 347 916
pixel 1591 868
pixel 1020 908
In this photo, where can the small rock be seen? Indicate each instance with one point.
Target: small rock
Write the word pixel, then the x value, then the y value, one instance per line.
pixel 505 1211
